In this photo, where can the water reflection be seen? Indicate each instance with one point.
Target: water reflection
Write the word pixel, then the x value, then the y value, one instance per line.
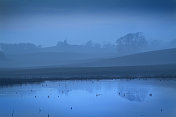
pixel 133 94
pixel 90 98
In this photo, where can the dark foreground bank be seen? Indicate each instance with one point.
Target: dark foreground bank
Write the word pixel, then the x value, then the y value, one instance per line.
pixel 84 73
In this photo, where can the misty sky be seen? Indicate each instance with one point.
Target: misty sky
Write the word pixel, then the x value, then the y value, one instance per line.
pixel 48 21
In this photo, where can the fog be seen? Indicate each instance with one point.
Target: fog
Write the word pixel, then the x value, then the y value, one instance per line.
pixel 77 21
pixel 74 32
pixel 76 58
pixel 129 50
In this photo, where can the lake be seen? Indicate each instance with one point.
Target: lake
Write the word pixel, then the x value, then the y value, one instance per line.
pixel 90 98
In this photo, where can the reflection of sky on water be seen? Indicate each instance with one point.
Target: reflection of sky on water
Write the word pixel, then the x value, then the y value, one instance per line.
pixel 90 99
pixel 133 94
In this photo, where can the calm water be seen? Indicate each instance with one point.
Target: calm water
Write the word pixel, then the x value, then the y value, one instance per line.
pixel 91 98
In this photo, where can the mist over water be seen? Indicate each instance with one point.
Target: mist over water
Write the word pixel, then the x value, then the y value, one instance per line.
pixel 87 58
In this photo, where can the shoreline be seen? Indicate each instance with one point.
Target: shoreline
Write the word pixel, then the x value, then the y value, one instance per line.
pixel 20 76
pixel 11 82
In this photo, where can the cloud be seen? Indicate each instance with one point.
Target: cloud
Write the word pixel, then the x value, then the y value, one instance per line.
pixel 9 7
pixel 81 20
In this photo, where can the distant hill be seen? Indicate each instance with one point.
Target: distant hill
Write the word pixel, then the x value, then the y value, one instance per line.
pixel 40 59
pixel 167 56
pixel 2 56
pixel 58 59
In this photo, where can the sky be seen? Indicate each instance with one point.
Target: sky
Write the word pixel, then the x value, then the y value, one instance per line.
pixel 45 22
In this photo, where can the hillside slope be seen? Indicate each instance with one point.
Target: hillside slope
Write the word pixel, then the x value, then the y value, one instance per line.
pixel 2 56
pixel 39 59
pixel 167 56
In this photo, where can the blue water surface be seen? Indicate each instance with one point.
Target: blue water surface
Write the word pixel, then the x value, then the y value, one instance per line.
pixel 90 98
